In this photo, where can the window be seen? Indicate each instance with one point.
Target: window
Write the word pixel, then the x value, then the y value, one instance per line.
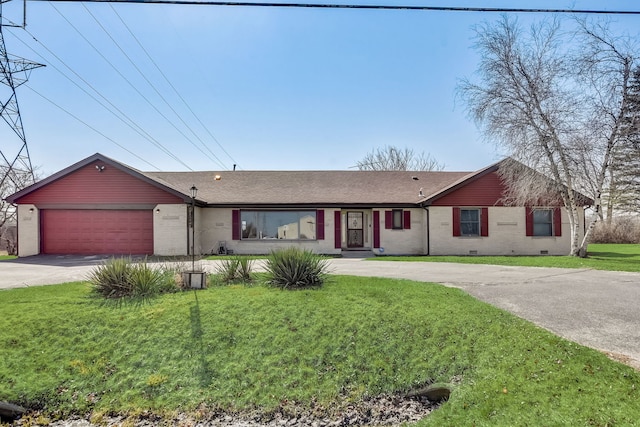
pixel 543 222
pixel 469 222
pixel 397 219
pixel 278 225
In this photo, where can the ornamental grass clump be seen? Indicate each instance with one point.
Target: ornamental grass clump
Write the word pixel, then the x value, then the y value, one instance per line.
pixel 120 277
pixel 236 269
pixel 294 268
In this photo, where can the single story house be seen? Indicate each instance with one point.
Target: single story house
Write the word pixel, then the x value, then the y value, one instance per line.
pixel 101 206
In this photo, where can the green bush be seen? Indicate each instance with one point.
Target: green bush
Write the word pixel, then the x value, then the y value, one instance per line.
pixel 294 268
pixel 120 277
pixel 235 269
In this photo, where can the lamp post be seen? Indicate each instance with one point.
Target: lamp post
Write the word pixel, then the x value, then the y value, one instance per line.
pixel 194 193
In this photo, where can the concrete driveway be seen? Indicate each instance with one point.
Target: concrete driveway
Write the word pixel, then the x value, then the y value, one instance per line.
pixel 599 309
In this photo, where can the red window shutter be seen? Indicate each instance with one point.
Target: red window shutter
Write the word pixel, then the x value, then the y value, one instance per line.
pixel 337 233
pixel 406 221
pixel 376 229
pixel 557 222
pixel 388 220
pixel 529 221
pixel 320 224
pixel 235 224
pixel 456 221
pixel 484 222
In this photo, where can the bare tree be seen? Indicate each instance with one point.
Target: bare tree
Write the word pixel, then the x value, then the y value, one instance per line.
pixel 555 101
pixel 15 181
pixel 390 158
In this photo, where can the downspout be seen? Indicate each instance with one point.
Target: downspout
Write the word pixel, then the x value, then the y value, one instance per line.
pixel 428 231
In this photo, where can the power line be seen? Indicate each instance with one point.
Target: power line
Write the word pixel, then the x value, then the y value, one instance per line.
pixel 91 127
pixel 123 117
pixel 174 156
pixel 174 88
pixel 363 6
pixel 135 66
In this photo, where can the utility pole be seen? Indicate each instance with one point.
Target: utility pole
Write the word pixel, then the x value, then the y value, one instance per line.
pixel 15 161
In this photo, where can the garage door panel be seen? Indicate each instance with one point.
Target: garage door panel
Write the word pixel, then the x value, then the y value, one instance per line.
pixel 70 231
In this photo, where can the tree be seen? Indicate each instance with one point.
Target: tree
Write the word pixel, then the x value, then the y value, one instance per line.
pixel 555 101
pixel 623 191
pixel 390 158
pixel 15 181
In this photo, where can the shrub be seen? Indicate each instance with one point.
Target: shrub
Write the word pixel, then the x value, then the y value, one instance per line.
pixel 235 269
pixel 120 277
pixel 621 230
pixel 294 268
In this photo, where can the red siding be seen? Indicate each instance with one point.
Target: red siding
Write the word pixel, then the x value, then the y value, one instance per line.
pixel 485 191
pixel 86 232
pixel 87 185
pixel 376 229
pixel 320 224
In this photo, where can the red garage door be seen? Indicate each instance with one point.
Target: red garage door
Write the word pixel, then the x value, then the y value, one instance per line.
pixel 88 232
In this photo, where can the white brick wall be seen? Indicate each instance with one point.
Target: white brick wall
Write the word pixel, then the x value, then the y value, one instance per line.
pixel 404 242
pixel 28 230
pixel 170 230
pixel 507 235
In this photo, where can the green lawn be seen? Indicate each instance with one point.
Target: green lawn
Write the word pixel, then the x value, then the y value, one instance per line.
pixel 616 257
pixel 3 257
pixel 254 347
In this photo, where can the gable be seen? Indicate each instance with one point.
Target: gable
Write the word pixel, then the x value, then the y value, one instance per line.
pixel 487 190
pixel 89 184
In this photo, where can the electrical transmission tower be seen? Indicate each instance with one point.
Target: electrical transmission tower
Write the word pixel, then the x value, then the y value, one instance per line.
pixel 15 163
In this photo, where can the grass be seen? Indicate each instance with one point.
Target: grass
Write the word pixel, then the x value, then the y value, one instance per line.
pixel 614 257
pixel 6 257
pixel 244 347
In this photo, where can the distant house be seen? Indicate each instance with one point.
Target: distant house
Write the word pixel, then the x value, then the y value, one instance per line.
pixel 101 206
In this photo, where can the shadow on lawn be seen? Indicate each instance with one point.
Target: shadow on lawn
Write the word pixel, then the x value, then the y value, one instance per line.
pixel 204 372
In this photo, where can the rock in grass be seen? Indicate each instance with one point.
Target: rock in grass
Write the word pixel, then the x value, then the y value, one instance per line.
pixel 434 393
pixel 9 410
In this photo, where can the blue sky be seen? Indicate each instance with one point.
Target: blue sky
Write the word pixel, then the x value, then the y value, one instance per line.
pixel 293 89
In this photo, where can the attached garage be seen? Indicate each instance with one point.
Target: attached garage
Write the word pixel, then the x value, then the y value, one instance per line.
pixel 99 206
pixel 84 231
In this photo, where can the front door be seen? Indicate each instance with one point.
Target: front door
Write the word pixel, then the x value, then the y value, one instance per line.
pixel 355 230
